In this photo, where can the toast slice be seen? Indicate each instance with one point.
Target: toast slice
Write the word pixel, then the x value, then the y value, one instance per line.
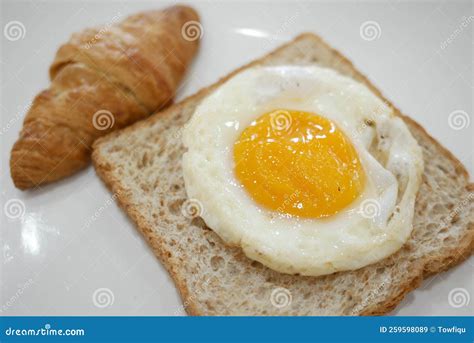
pixel 142 166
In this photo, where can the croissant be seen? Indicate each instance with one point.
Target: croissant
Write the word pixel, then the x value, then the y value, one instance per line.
pixel 101 80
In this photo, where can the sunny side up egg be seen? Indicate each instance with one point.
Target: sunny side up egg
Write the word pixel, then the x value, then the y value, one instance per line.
pixel 306 170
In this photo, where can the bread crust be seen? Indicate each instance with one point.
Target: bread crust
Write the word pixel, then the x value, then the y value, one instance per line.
pixel 421 268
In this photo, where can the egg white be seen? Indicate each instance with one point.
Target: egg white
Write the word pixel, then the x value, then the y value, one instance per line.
pixel 374 226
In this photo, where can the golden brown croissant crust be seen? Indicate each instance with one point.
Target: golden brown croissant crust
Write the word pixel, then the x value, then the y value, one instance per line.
pixel 102 80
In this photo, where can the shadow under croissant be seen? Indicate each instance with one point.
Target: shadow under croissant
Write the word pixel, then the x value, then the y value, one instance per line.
pixel 63 187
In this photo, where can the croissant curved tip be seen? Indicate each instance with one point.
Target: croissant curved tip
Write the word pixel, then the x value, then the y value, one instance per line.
pixel 22 174
pixel 29 171
pixel 42 155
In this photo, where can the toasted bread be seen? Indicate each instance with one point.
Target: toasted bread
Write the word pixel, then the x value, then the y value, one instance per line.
pixel 142 165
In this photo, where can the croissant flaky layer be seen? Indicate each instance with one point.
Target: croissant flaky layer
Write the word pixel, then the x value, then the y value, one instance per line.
pixel 103 79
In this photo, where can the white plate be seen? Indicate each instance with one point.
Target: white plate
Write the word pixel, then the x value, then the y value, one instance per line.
pixel 76 253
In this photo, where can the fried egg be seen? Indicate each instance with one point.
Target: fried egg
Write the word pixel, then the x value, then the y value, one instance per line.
pixel 306 170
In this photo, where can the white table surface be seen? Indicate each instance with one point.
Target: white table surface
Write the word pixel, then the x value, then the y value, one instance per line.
pixel 50 267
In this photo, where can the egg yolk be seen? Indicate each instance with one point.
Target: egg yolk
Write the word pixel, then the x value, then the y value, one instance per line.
pixel 298 163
